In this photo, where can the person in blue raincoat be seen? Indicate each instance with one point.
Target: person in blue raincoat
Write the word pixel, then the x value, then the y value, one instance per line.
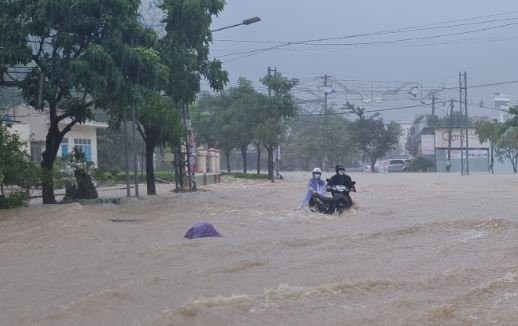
pixel 315 184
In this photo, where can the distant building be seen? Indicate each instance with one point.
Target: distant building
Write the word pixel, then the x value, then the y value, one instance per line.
pixel 406 127
pixel 502 102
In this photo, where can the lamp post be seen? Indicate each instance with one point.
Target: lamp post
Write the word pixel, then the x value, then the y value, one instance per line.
pixel 190 149
pixel 248 21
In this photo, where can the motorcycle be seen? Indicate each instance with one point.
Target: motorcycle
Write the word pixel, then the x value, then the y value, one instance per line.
pixel 339 201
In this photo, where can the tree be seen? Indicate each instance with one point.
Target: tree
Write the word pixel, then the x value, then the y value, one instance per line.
pixel 69 51
pixel 212 123
pixel 490 130
pixel 315 137
pixel 274 114
pixel 185 48
pixel 371 136
pixel 245 103
pixel 507 147
pixel 159 124
pixel 16 167
pixel 207 117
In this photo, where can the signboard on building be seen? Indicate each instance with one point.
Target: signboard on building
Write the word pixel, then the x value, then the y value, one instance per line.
pixel 442 136
pixel 474 154
pixel 427 144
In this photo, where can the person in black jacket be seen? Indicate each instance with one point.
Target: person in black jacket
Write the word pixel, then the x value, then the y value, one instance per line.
pixel 342 179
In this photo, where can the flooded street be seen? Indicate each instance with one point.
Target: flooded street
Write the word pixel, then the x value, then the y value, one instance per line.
pixel 416 249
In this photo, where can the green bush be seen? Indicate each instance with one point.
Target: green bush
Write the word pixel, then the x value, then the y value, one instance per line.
pixel 242 175
pixel 16 199
pixel 165 175
pixel 421 164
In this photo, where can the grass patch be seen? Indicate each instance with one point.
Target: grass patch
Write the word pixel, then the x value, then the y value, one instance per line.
pixel 251 176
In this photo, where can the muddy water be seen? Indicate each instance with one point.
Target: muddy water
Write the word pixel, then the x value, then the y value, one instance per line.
pixel 417 249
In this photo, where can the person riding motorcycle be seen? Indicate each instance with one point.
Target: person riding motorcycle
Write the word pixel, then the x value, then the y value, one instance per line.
pixel 342 179
pixel 315 185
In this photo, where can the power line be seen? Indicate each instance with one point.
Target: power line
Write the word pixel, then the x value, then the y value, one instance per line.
pixel 246 54
pixel 383 31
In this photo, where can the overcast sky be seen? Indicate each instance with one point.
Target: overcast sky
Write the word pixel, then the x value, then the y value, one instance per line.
pixel 488 56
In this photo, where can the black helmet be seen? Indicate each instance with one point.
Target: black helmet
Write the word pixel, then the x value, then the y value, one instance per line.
pixel 339 167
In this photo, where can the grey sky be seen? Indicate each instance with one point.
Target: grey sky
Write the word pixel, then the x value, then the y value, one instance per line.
pixel 488 56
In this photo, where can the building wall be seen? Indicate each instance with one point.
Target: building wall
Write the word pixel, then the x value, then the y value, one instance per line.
pixel 38 121
pixel 39 125
pixel 82 132
pixel 478 162
pixel 24 132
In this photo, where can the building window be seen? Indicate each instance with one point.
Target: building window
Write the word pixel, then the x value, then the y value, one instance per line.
pixel 85 146
pixel 64 147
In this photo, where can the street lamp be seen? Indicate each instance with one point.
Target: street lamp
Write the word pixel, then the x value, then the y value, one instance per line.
pixel 189 147
pixel 248 21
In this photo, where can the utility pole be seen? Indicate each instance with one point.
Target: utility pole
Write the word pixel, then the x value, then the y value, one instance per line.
pixel 188 153
pixel 126 156
pixel 272 177
pixel 448 163
pixel 466 119
pixel 325 95
pixel 434 98
pixel 326 120
pixel 135 167
pixel 463 99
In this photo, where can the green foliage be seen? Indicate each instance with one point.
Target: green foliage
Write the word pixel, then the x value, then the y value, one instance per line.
pixel 507 147
pixel 17 199
pixel 185 48
pixel 84 187
pixel 421 164
pixel 277 110
pixel 230 119
pixel 106 175
pixel 371 136
pixel 16 167
pixel 242 175
pixel 314 138
pixel 78 52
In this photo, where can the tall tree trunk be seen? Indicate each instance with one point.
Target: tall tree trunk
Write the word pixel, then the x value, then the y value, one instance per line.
pixel 244 149
pixel 52 143
pixel 258 146
pixel 143 158
pixel 270 150
pixel 492 167
pixel 227 156
pixel 150 168
pixel 179 169
pixel 373 163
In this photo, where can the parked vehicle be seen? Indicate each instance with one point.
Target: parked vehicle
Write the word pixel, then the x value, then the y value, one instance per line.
pixel 398 166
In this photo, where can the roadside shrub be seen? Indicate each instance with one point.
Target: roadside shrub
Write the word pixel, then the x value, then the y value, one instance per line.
pixel 16 199
pixel 251 176
pixel 84 187
pixel 421 164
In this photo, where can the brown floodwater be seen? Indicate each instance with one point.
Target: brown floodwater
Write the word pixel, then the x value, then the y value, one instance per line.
pixel 416 249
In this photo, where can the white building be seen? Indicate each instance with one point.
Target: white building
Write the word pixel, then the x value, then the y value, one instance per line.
pixel 502 102
pixel 33 127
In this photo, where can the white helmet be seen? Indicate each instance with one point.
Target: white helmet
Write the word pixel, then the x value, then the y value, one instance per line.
pixel 316 170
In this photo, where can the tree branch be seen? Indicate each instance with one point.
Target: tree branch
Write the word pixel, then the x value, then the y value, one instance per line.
pixel 62 117
pixel 68 127
pixel 141 131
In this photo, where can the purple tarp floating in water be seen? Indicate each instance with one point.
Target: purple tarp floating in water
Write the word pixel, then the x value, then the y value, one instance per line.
pixel 202 230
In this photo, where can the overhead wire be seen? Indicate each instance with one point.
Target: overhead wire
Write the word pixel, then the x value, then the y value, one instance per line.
pixel 245 54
